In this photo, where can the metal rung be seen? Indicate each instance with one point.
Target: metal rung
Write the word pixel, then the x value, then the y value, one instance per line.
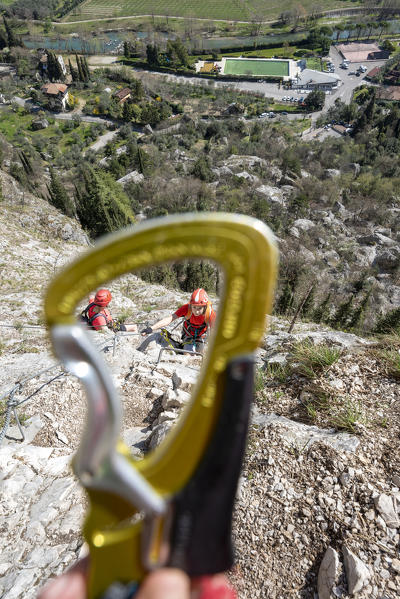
pixel 177 351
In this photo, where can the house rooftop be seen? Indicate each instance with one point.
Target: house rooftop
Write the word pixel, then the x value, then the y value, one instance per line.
pixel 123 93
pixel 308 75
pixel 339 129
pixel 53 89
pixel 360 52
pixel 373 72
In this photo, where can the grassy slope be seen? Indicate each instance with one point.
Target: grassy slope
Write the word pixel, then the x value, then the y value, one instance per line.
pixel 209 9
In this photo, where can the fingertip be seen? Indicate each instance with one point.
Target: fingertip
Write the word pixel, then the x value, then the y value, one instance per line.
pixel 166 583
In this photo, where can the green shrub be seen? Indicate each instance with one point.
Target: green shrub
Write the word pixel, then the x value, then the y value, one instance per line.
pixel 389 323
pixel 311 360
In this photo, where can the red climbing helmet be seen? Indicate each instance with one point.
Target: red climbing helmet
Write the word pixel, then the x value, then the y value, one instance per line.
pixel 199 297
pixel 102 298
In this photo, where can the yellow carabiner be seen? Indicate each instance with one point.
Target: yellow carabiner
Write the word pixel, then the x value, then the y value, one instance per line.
pixel 118 486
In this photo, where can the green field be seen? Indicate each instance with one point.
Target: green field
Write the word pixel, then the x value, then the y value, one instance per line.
pixel 226 10
pixel 270 68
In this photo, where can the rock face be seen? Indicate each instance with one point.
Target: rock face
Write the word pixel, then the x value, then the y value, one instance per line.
pixel 334 245
pixel 39 493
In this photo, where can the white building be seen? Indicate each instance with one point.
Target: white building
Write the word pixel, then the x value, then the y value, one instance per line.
pixel 310 79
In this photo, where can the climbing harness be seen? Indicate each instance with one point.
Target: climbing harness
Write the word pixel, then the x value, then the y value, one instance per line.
pixel 85 318
pixel 174 506
pixel 172 343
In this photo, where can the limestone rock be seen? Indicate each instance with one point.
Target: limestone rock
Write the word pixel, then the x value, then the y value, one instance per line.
pixel 387 260
pixel 331 173
pixel 159 433
pixel 357 573
pixel 174 399
pixel 272 194
pixel 303 435
pixel 328 573
pixel 304 224
pixel 384 505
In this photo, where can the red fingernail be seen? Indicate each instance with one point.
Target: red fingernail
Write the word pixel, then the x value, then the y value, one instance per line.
pixel 215 589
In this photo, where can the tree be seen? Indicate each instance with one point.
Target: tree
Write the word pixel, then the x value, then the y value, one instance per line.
pixel 152 54
pixel 370 109
pixel 143 160
pixel 26 163
pixel 358 315
pixel 339 28
pixel 315 100
pixel 343 314
pixel 101 204
pixel 322 313
pixel 58 196
pixel 150 114
pixel 286 298
pixel 79 67
pixel 389 46
pixel 54 71
pixel 12 39
pixel 201 169
pixel 383 26
pixel 177 53
pixel 85 68
pixel 359 27
pixel 371 26
pixel 137 91
pixel 350 28
pixel 73 71
pixel 3 40
pixel 308 303
pixel 47 27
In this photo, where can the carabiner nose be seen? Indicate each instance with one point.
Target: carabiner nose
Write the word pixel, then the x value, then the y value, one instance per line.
pixel 97 463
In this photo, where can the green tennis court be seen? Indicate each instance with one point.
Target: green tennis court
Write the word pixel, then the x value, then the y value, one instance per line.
pixel 248 66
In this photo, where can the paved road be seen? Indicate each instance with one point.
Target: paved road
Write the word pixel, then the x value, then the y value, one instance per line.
pixel 86 118
pixel 103 140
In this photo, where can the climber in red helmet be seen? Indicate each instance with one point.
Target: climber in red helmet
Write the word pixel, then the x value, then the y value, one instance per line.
pixel 199 316
pixel 98 317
